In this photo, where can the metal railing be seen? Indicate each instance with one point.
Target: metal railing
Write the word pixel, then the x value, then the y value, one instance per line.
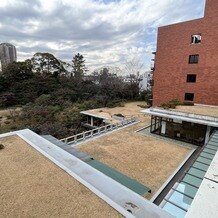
pixel 98 131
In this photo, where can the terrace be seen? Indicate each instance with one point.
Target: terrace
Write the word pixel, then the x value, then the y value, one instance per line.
pixel 101 116
pixel 146 159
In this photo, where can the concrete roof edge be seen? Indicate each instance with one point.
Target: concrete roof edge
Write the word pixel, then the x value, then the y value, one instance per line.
pixel 189 117
pixel 93 115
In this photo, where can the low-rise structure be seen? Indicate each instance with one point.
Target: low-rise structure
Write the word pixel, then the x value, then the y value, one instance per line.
pixel 185 126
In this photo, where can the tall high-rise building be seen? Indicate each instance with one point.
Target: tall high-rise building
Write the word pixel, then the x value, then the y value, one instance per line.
pixel 8 54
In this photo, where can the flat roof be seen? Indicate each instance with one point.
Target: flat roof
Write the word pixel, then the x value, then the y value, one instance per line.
pixel 206 110
pixel 145 159
pixel 125 201
pixel 184 116
pixel 31 185
pixel 129 109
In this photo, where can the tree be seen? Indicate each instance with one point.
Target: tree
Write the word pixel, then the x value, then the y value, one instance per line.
pixel 18 71
pixel 79 67
pixel 133 69
pixel 109 86
pixel 47 63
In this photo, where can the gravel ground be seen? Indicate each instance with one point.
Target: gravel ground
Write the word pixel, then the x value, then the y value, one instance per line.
pixel 32 186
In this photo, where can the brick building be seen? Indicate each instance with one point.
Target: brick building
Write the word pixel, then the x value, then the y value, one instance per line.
pixel 186 61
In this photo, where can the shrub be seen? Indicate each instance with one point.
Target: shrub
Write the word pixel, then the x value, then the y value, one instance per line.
pixel 115 103
pixel 175 102
pixel 2 146
pixel 43 100
pixel 143 106
pixel 187 103
pixel 119 115
pixel 171 104
pixel 7 99
pixel 165 105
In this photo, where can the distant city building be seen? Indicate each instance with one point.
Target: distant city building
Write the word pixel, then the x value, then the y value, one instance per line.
pixel 8 54
pixel 145 80
pixel 186 66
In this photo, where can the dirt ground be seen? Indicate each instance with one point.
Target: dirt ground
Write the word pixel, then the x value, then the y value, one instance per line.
pixel 201 110
pixel 147 159
pixel 32 186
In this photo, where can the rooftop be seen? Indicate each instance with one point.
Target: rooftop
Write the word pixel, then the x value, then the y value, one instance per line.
pixel 34 186
pixel 130 109
pixel 187 116
pixel 129 152
pixel 199 109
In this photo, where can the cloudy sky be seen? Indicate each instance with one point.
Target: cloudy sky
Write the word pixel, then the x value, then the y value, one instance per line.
pixel 107 32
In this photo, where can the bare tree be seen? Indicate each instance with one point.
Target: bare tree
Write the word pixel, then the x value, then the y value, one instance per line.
pixel 133 69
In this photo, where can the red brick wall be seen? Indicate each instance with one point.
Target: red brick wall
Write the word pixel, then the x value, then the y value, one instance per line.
pixel 171 62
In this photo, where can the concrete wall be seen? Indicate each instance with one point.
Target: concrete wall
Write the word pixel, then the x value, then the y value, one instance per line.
pixel 171 62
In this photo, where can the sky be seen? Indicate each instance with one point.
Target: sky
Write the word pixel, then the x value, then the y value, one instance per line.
pixel 106 32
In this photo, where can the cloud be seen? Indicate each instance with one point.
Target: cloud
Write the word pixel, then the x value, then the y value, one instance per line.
pixel 107 32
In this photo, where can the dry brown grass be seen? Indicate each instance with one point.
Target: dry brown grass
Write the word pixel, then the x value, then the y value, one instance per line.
pixel 7 114
pixel 129 109
pixel 32 186
pixel 149 160
pixel 201 110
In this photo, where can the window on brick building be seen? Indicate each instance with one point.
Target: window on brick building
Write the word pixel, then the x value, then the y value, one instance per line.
pixel 191 78
pixel 189 96
pixel 193 59
pixel 196 39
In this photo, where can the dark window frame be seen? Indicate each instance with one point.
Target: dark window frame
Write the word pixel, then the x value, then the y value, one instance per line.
pixel 193 59
pixel 191 78
pixel 189 96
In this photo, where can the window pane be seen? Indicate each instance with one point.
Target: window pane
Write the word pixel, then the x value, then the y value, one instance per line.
pixel 193 59
pixel 175 211
pixel 189 96
pixel 180 200
pixel 191 78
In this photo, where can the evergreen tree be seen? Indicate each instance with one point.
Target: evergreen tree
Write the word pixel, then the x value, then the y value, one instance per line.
pixel 79 67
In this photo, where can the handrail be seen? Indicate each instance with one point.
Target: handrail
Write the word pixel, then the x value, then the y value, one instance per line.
pixel 100 130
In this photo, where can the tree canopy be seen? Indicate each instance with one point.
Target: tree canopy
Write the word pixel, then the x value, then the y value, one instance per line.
pixel 51 104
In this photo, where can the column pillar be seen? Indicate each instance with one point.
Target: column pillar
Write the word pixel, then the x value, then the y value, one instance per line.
pixel 92 121
pixel 207 135
pixel 163 127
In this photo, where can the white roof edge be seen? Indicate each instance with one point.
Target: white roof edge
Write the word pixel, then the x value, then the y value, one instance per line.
pixel 200 119
pixel 93 115
pixel 106 188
